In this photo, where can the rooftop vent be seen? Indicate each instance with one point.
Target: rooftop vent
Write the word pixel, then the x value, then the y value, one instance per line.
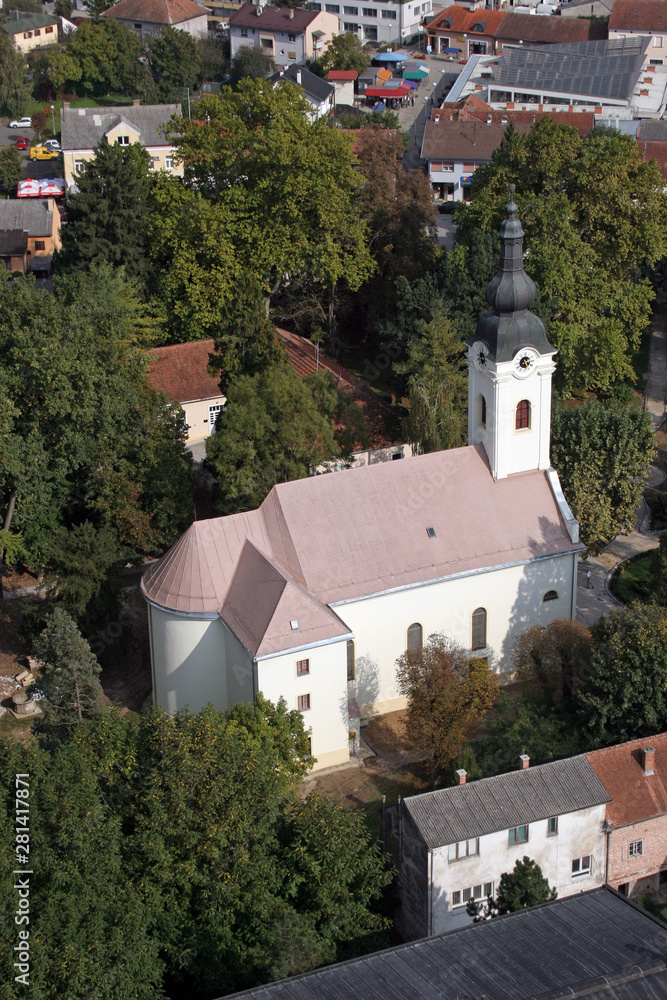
pixel 430 532
pixel 489 119
pixel 648 761
pixel 294 624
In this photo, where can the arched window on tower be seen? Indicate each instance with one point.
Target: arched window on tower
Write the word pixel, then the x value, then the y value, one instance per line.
pixel 478 629
pixel 415 637
pixel 522 415
pixel 482 411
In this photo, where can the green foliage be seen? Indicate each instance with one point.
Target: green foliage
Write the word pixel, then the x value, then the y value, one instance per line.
pixel 602 455
pixel 103 55
pixel 594 216
pixel 625 696
pixel 84 436
pixel 250 63
pixel 448 694
pixel 63 8
pixel 56 68
pixel 631 580
pixel 276 427
pixel 15 87
pixel 11 169
pixel 519 889
pixel 106 221
pixel 81 559
pixel 657 587
pixel 437 387
pixel 344 51
pixel 175 61
pixel 69 678
pixel 540 729
pixel 551 660
pixel 176 851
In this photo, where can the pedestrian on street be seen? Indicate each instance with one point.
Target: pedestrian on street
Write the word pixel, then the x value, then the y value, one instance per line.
pixel 589 581
pixel 412 101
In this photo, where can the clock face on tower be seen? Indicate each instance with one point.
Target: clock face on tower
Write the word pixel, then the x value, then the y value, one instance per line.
pixel 524 363
pixel 479 355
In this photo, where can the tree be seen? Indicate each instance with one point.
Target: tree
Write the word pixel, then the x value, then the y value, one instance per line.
pixel 106 221
pixel 343 52
pixel 250 62
pixel 69 679
pixel 63 8
pixel 527 725
pixel 625 694
pixel 519 889
pixel 447 692
pixel 97 7
pixel 175 61
pixel 81 559
pixel 276 427
pixel 551 660
pixel 658 579
pixel 107 54
pixel 57 69
pixel 15 87
pixel 602 455
pixel 11 169
pixel 437 388
pixel 39 120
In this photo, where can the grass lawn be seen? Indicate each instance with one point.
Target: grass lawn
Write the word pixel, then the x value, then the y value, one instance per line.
pixel 631 581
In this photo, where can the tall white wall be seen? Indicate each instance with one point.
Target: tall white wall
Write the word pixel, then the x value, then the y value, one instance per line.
pixel 579 834
pixel 512 598
pixel 327 685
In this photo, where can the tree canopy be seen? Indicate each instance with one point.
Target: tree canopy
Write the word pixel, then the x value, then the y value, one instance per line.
pixel 250 62
pixel 69 679
pixel 344 51
pixel 519 889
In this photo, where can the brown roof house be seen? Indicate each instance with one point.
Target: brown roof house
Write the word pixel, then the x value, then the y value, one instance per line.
pixel 642 17
pixel 29 234
pixel 286 34
pixel 149 17
pixel 314 595
pixel 635 775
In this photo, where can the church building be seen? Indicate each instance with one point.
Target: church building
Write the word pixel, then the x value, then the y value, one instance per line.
pixel 313 596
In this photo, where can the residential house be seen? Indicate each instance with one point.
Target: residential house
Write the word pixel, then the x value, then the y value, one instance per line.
pixel 319 94
pixel 30 234
pixel 603 74
pixel 647 18
pixel 150 17
pixel 457 30
pixel 452 845
pixel 586 8
pixel 286 34
pixel 458 140
pixel 82 130
pixel 635 775
pixel 31 31
pixel 592 944
pixel 385 22
pixel 181 372
pixel 343 81
pixel 314 595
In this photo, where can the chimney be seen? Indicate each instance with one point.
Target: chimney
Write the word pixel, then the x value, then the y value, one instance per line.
pixel 298 72
pixel 648 761
pixel 65 104
pixel 461 777
pixel 525 761
pixel 291 13
pixel 136 102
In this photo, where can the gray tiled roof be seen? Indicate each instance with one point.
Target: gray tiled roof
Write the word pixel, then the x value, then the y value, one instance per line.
pixel 83 128
pixel 593 944
pixel 508 800
pixel 29 214
pixel 653 130
pixel 313 85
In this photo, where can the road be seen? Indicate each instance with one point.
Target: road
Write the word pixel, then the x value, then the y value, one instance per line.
pixel 39 169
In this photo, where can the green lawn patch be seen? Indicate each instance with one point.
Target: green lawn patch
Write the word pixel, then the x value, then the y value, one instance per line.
pixel 630 581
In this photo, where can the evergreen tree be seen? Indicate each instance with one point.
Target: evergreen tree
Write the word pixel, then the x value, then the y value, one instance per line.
pixel 106 221
pixel 15 87
pixel 11 169
pixel 175 61
pixel 519 889
pixel 69 679
pixel 250 62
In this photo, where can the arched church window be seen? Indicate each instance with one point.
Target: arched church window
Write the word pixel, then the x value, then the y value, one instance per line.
pixel 478 629
pixel 551 595
pixel 351 661
pixel 482 411
pixel 415 637
pixel 522 415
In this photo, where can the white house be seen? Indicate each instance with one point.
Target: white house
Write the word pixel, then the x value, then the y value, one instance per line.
pixel 647 18
pixel 453 845
pixel 314 595
pixel 319 94
pixel 383 21
pixel 285 34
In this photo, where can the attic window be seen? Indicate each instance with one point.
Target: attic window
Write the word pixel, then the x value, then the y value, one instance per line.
pixel 294 625
pixel 480 26
pixel 430 532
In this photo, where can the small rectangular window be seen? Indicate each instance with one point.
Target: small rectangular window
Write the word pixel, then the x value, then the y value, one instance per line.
pixel 467 895
pixel 350 26
pixel 464 849
pixel 123 140
pixel 369 12
pixel 40 245
pixel 169 162
pixel 78 166
pixel 389 15
pixel 303 702
pixel 636 848
pixel 333 8
pixel 244 32
pixel 38 32
pixel 291 38
pixel 48 30
pixel 477 892
pixel 302 667
pixel 488 889
pixel 581 866
pixel 657 41
pixel 354 11
pixel 552 826
pixel 519 835
pixel 456 898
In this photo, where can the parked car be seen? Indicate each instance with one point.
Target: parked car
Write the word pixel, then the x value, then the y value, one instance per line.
pixel 25 122
pixel 22 142
pixel 52 144
pixel 43 153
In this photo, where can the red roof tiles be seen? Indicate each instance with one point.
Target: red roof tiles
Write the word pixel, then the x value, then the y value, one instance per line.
pixel 156 11
pixel 342 74
pixel 639 15
pixel 510 27
pixel 636 797
pixel 654 150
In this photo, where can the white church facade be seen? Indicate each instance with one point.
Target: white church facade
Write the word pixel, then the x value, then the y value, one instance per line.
pixel 314 596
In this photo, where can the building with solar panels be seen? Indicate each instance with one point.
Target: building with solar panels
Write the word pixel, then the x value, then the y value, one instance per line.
pixel 610 74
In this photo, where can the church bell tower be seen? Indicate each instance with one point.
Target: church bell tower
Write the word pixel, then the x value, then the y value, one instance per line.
pixel 510 364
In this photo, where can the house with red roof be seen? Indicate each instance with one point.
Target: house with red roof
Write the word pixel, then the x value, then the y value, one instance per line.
pixel 150 17
pixel 344 83
pixel 635 775
pixel 642 17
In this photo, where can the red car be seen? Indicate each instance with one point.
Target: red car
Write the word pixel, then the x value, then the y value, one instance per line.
pixel 22 142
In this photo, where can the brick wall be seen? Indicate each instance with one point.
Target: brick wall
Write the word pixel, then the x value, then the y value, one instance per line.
pixel 640 871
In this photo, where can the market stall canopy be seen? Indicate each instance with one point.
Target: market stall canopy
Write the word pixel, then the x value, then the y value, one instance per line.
pixel 415 74
pixel 391 57
pixel 451 51
pixel 384 75
pixel 391 92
